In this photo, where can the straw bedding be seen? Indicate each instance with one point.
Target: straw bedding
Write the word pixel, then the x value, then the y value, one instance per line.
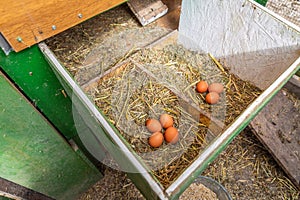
pixel 245 168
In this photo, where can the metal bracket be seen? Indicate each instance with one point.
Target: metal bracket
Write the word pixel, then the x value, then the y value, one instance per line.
pixel 4 45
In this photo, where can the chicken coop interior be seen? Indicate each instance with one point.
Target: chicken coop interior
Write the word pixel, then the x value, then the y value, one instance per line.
pixel 153 99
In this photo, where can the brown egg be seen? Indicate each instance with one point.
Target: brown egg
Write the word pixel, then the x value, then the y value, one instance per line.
pixel 171 135
pixel 216 87
pixel 201 86
pixel 212 98
pixel 153 125
pixel 166 120
pixel 156 139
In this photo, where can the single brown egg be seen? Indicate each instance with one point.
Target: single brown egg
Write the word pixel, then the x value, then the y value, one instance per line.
pixel 212 98
pixel 171 135
pixel 156 139
pixel 201 86
pixel 216 87
pixel 153 125
pixel 166 120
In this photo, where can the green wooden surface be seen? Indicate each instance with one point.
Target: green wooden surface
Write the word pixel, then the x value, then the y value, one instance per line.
pixel 4 198
pixel 31 72
pixel 262 2
pixel 34 155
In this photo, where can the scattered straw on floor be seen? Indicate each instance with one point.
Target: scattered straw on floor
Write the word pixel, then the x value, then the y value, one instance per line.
pixel 198 191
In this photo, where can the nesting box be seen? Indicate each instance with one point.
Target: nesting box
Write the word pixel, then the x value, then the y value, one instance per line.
pixel 249 50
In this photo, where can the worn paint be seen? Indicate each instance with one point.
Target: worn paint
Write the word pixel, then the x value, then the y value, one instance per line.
pixel 34 155
pixel 31 72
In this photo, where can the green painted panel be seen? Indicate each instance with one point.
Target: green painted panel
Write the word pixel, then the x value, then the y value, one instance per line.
pixel 34 155
pixel 4 198
pixel 262 2
pixel 31 72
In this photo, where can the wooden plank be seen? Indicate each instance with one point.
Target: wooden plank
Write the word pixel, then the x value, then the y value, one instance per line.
pixel 34 155
pixel 171 19
pixel 277 126
pixel 18 192
pixel 24 23
pixel 147 11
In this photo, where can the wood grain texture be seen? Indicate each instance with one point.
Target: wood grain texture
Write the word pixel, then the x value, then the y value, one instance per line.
pixel 33 21
pixel 277 126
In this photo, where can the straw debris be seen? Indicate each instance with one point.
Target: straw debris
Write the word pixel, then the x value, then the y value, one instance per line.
pixel 155 81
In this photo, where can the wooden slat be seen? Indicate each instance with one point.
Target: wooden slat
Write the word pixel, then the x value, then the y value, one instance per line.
pixel 147 11
pixel 277 126
pixel 34 21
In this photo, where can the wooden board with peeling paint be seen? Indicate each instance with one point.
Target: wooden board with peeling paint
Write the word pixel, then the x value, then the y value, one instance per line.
pixel 277 126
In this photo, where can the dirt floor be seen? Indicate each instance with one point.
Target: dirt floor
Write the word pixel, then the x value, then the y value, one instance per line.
pixel 244 168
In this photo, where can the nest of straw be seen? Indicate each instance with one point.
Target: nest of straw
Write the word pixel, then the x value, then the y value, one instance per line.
pixel 155 81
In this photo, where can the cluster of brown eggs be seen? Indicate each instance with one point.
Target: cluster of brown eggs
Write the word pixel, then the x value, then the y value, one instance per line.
pixel 214 90
pixel 163 128
pixel 155 126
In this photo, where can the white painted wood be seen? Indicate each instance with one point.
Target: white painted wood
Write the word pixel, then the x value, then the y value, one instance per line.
pixel 254 43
